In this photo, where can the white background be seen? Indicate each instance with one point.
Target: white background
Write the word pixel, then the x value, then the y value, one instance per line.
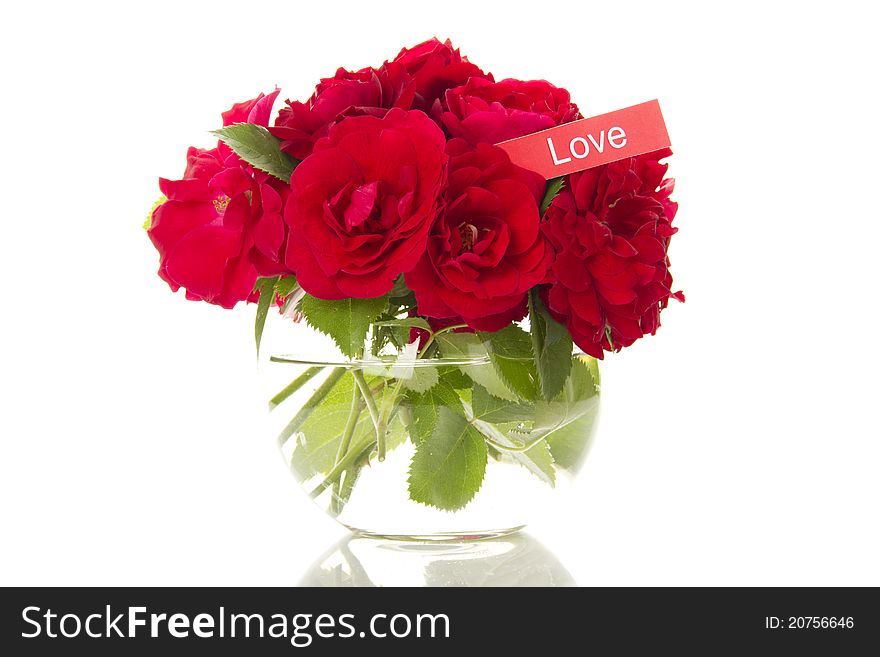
pixel 738 446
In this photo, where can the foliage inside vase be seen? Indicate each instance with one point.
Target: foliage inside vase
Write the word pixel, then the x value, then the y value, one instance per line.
pixel 469 398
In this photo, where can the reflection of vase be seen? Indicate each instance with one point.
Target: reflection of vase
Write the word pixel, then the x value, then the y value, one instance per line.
pixel 465 456
pixel 515 560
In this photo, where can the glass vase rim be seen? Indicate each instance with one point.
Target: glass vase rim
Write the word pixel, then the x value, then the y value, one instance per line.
pixel 393 361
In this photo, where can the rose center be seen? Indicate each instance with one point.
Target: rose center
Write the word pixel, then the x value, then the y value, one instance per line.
pixel 468 233
pixel 363 205
pixel 220 203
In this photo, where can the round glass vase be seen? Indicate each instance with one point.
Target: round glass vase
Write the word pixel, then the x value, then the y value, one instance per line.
pixel 440 448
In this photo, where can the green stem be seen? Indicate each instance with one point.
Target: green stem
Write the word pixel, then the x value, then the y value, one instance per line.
pixel 294 385
pixel 344 464
pixel 380 421
pixel 486 430
pixel 367 395
pixel 508 448
pixel 381 432
pixel 353 416
pixel 433 335
pixel 389 404
pixel 344 460
pixel 346 484
pixel 481 426
pixel 334 501
pixel 339 468
pixel 307 409
pixel 384 420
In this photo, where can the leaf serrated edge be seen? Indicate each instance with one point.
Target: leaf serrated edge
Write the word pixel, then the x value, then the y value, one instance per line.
pixel 494 358
pixel 552 475
pixel 468 426
pixel 285 163
pixel 343 348
pixel 554 186
pixel 539 317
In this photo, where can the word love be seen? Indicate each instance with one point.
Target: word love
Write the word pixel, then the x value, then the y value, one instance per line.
pixel 580 147
pixel 591 142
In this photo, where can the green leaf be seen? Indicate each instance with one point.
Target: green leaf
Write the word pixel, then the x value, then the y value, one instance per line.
pixel 266 287
pixel 319 436
pixel 421 379
pixel 345 320
pixel 149 222
pixel 286 286
pixel 448 468
pixel 255 145
pixel 470 347
pixel 407 322
pixel 510 351
pixel 400 289
pixel 396 331
pixel 577 397
pixel 397 432
pixel 554 186
pixel 453 376
pixel 402 298
pixel 362 440
pixel 568 421
pixel 425 408
pixel 570 443
pixel 509 423
pixel 407 369
pixel 296 422
pixel 538 460
pixel 382 336
pixel 494 410
pixel 552 345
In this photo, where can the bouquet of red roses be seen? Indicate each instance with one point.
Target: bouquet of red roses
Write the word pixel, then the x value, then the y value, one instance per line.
pixel 382 206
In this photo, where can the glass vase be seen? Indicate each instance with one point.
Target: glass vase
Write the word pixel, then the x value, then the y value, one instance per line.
pixel 514 560
pixel 442 448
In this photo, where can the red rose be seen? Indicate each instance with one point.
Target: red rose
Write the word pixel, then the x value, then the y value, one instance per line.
pixel 368 91
pixel 611 228
pixel 436 66
pixel 363 202
pixel 269 231
pixel 486 249
pixel 492 112
pixel 203 230
pixel 256 111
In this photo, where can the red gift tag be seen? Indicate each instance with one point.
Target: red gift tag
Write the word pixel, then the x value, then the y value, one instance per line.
pixel 591 142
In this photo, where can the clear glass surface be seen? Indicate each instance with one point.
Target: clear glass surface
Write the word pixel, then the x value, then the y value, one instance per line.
pixel 328 434
pixel 515 560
